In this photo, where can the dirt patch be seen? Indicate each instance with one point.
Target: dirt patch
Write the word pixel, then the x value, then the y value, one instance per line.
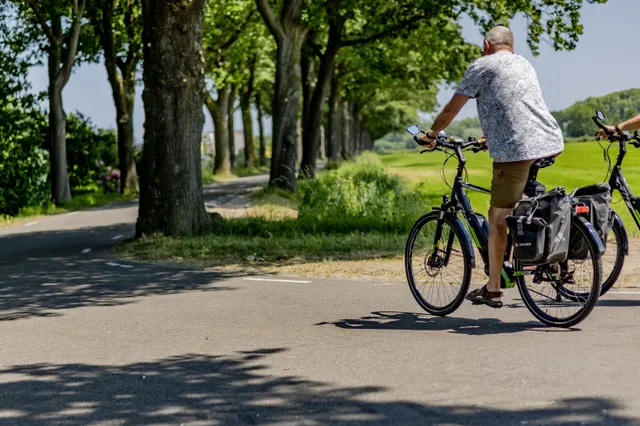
pixel 240 206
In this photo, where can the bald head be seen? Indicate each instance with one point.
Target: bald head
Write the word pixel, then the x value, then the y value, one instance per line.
pixel 500 36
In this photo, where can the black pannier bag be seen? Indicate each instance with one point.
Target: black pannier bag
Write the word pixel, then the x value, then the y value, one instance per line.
pixel 598 199
pixel 540 228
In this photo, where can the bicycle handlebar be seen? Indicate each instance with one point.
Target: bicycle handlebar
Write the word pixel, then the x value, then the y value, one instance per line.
pixel 442 142
pixel 613 137
pixel 603 127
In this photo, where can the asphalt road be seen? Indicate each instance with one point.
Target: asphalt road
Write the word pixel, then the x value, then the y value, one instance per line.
pixel 90 339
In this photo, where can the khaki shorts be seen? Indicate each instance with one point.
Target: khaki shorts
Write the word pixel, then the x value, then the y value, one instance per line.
pixel 507 185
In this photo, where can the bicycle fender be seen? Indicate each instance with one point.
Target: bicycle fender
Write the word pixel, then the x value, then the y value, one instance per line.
pixel 625 237
pixel 591 232
pixel 465 236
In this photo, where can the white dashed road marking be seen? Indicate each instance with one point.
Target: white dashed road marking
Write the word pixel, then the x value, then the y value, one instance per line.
pixel 118 265
pixel 278 281
pixel 384 284
pixel 117 237
pixel 85 251
pixel 624 292
pixel 32 223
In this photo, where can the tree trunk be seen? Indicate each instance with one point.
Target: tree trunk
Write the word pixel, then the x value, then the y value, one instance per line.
pixel 128 170
pixel 355 130
pixel 171 200
pixel 231 128
pixel 321 154
pixel 307 78
pixel 366 138
pixel 60 188
pixel 219 111
pixel 298 140
pixel 313 120
pixel 334 139
pixel 247 123
pixel 247 127
pixel 289 34
pixel 263 145
pixel 123 90
pixel 345 122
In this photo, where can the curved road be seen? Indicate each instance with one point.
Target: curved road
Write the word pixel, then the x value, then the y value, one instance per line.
pixel 89 339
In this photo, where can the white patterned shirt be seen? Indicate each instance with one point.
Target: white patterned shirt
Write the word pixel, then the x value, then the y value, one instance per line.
pixel 514 117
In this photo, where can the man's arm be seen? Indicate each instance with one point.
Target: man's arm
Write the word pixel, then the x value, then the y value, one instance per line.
pixel 632 124
pixel 447 115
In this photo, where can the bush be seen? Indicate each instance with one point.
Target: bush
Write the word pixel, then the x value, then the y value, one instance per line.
pixel 92 154
pixel 24 164
pixel 24 171
pixel 359 197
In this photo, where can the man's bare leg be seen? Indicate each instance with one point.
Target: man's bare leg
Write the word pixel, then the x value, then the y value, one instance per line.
pixel 497 245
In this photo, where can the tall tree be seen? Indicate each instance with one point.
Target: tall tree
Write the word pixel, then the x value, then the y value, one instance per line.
pixel 289 33
pixel 360 22
pixel 117 23
pixel 225 23
pixel 232 127
pixel 246 98
pixel 61 23
pixel 171 200
pixel 263 145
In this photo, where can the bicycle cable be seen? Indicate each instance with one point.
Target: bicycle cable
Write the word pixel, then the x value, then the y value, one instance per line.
pixel 607 159
pixel 442 175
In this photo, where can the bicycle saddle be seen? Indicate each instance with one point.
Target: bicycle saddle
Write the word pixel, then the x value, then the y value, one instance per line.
pixel 544 162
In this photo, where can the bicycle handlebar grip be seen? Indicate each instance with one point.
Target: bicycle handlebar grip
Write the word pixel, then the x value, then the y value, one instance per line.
pixel 602 126
pixel 419 141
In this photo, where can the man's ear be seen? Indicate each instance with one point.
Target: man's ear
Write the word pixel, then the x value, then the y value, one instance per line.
pixel 487 46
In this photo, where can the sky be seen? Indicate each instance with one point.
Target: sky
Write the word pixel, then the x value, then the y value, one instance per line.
pixel 605 61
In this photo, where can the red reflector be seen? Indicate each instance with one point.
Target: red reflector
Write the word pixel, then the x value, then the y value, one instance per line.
pixel 582 209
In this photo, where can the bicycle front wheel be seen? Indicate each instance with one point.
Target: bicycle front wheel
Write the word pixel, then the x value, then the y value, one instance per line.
pixel 563 294
pixel 438 264
pixel 613 258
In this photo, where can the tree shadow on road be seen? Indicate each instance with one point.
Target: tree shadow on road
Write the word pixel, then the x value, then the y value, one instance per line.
pixel 237 389
pixel 388 320
pixel 47 273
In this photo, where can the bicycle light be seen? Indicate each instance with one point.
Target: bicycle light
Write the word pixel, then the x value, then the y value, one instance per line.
pixel 582 209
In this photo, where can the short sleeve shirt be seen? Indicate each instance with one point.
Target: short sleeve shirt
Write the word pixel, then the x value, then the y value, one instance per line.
pixel 515 119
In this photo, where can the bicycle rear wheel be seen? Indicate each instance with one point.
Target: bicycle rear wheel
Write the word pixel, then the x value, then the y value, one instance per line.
pixel 562 294
pixel 438 264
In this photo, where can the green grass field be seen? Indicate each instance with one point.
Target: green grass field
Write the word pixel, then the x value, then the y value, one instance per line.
pixel 580 164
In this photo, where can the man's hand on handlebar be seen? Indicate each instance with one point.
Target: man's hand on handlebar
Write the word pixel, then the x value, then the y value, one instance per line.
pixel 428 140
pixel 611 130
pixel 483 141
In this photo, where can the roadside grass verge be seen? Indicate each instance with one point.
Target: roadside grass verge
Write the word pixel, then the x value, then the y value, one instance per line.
pixel 289 247
pixel 352 213
pixel 361 211
pixel 78 202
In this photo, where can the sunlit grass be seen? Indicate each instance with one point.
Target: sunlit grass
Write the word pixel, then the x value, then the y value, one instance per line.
pixel 580 164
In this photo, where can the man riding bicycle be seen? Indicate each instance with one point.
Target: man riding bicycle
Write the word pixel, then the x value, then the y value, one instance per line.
pixel 518 128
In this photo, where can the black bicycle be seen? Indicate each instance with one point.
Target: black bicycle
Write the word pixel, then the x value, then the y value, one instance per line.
pixel 617 240
pixel 439 254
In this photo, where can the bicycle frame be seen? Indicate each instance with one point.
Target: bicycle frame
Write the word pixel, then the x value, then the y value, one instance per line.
pixel 618 182
pixel 458 202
